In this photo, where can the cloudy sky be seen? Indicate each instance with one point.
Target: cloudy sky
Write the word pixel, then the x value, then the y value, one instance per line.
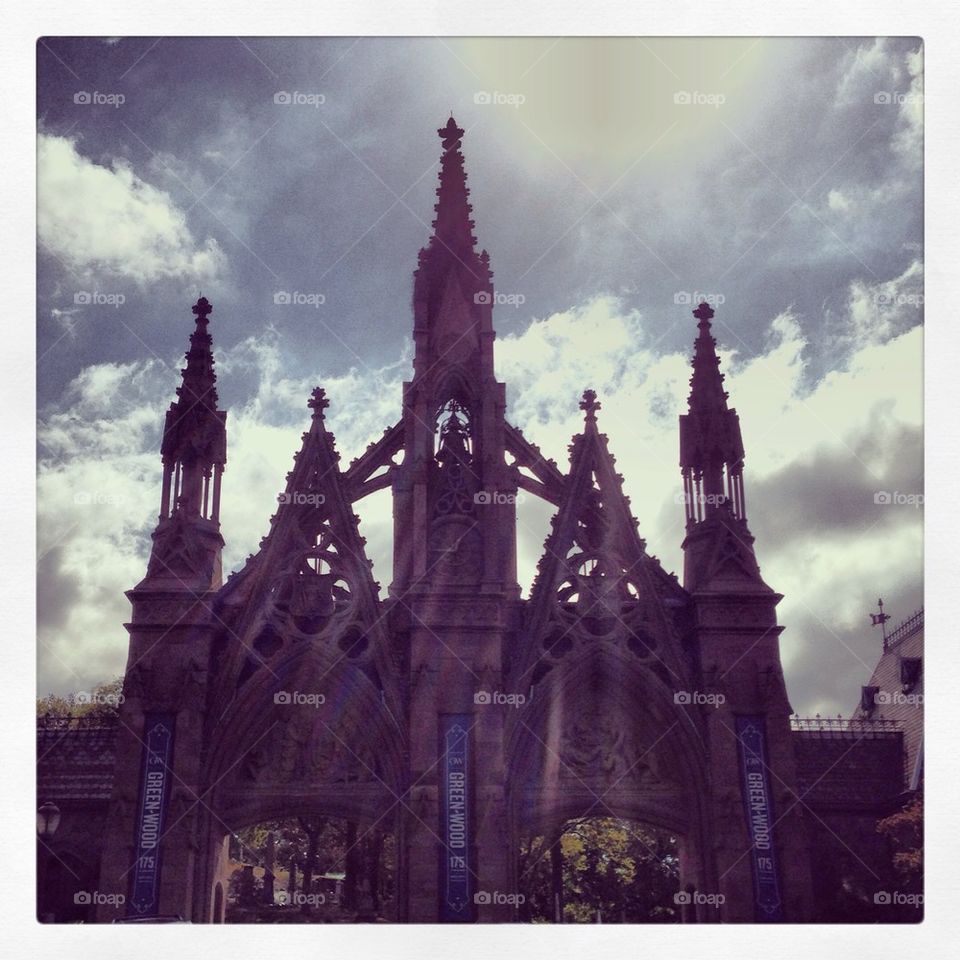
pixel 613 181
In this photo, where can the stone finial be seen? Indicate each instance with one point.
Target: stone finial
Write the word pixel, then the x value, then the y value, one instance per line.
pixel 704 313
pixel 451 135
pixel 590 405
pixel 318 401
pixel 202 309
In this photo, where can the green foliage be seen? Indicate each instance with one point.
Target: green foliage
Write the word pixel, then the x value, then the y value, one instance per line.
pixel 314 846
pixel 905 831
pixel 102 701
pixel 627 872
pixel 292 843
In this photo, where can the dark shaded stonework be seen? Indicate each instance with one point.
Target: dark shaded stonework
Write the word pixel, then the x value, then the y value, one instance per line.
pixel 634 685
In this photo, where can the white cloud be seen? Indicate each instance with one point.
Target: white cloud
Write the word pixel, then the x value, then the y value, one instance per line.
pixel 103 439
pixel 104 220
pixel 880 310
pixel 837 201
pixel 909 139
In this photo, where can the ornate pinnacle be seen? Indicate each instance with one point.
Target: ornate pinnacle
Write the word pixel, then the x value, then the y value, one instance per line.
pixel 202 309
pixel 450 135
pixel 318 402
pixel 198 383
pixel 452 229
pixel 590 405
pixel 704 313
pixel 707 382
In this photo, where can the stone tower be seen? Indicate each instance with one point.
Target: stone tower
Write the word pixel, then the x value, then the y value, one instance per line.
pixel 150 849
pixel 455 559
pixel 737 638
pixel 451 713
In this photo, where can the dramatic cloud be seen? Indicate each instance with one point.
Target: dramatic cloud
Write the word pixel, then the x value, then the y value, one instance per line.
pixel 816 459
pixel 804 179
pixel 104 220
pixel 611 196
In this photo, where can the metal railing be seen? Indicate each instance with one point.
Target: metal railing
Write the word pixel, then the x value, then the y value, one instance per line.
pixel 845 728
pixel 908 628
pixel 54 722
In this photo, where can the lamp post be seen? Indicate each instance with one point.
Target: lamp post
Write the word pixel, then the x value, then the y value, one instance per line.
pixel 48 819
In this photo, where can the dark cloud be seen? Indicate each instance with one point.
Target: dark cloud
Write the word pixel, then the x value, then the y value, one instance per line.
pixel 339 197
pixel 57 591
pixel 844 490
pixel 801 195
pixel 828 660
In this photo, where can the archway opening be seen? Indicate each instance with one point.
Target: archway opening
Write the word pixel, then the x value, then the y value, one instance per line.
pixel 311 869
pixel 600 870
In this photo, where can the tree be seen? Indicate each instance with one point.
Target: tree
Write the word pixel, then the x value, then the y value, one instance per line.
pixel 315 846
pixel 904 829
pixel 627 872
pixel 102 702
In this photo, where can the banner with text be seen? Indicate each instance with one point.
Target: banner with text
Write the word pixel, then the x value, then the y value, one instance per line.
pixel 759 806
pixel 456 855
pixel 154 795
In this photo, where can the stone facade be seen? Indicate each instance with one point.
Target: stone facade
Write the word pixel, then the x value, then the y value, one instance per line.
pixel 296 689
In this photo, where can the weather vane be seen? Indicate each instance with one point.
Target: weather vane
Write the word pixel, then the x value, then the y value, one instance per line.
pixel 881 619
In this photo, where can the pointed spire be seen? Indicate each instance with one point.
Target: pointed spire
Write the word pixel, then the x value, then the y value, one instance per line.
pixel 453 228
pixel 706 393
pixel 711 449
pixel 194 435
pixel 198 386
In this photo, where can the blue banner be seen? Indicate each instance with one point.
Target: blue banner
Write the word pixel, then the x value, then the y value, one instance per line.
pixel 456 856
pixel 156 775
pixel 759 806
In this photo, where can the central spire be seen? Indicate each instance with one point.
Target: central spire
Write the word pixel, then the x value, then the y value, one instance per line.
pixel 453 228
pixel 452 242
pixel 453 285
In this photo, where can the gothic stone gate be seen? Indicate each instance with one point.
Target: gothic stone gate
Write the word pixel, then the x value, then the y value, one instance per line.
pixel 296 688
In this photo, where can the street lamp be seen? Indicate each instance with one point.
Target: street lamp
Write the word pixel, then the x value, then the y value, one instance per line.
pixel 48 819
